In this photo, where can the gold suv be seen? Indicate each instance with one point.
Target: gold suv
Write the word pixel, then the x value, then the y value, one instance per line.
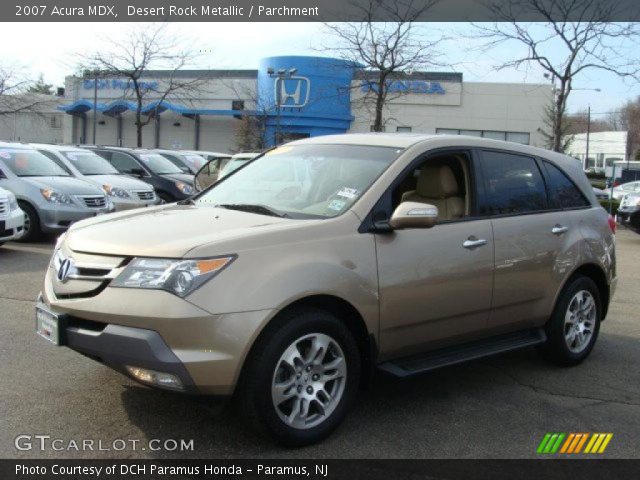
pixel 288 281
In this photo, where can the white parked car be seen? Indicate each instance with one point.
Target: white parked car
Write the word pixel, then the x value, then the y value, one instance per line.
pixel 626 188
pixel 11 217
pixel 237 161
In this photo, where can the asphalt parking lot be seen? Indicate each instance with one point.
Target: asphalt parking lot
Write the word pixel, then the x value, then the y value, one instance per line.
pixel 494 408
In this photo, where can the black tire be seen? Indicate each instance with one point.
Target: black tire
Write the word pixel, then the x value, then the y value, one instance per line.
pixel 556 349
pixel 255 388
pixel 32 229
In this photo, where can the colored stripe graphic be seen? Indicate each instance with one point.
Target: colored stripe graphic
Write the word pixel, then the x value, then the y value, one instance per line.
pixel 598 443
pixel 551 443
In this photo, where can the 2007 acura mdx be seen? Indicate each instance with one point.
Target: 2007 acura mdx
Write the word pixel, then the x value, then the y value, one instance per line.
pixel 398 252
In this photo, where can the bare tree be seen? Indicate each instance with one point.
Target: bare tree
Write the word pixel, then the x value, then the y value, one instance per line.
pixel 387 51
pixel 131 59
pixel 575 36
pixel 628 118
pixel 15 96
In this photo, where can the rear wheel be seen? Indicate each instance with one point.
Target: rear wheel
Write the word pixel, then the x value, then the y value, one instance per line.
pixel 573 328
pixel 31 223
pixel 301 378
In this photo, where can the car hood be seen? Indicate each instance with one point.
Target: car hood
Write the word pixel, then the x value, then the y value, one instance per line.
pixel 120 181
pixel 168 230
pixel 68 185
pixel 183 177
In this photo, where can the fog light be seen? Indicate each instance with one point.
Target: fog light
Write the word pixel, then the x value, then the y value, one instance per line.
pixel 160 379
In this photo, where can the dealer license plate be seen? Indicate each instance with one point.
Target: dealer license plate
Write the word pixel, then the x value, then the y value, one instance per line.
pixel 47 325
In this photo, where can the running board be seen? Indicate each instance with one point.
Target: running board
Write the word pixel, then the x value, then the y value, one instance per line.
pixel 404 367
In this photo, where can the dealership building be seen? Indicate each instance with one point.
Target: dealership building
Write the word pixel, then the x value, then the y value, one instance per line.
pixel 296 97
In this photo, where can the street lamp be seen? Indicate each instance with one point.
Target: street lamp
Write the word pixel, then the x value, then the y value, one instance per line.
pixel 280 76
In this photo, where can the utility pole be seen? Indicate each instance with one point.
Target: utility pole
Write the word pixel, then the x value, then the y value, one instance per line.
pixel 95 104
pixel 588 133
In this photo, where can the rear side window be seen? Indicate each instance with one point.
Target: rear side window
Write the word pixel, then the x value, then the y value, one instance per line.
pixel 563 191
pixel 513 184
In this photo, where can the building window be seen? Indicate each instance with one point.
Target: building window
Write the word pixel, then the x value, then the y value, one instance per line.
pixel 382 129
pixel 403 129
pixel 55 121
pixel 237 104
pixel 516 137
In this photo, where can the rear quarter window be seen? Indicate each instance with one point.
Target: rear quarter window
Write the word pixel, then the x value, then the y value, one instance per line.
pixel 564 193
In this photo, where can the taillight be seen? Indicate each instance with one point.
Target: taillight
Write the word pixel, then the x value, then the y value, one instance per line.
pixel 612 224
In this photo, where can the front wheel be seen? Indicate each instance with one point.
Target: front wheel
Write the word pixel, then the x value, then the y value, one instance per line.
pixel 301 378
pixel 573 327
pixel 31 227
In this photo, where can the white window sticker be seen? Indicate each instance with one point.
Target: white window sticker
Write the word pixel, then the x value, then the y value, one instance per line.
pixel 337 205
pixel 349 193
pixel 5 155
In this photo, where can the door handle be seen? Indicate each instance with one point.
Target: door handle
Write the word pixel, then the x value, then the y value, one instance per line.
pixel 473 242
pixel 559 229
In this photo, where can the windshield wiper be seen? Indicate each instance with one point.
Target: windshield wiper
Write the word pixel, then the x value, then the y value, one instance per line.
pixel 253 208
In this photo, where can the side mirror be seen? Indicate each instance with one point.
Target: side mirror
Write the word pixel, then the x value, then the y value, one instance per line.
pixel 138 172
pixel 206 176
pixel 414 215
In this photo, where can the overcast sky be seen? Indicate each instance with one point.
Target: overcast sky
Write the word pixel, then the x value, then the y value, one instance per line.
pixel 49 48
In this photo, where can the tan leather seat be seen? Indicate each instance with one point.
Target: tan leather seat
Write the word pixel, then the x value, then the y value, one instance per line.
pixel 438 186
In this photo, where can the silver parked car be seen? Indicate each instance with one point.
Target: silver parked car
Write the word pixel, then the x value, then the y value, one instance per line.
pixel 626 188
pixel 11 217
pixel 124 191
pixel 50 197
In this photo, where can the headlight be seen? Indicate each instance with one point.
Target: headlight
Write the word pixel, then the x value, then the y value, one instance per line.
pixel 56 197
pixel 179 277
pixel 13 202
pixel 184 188
pixel 116 192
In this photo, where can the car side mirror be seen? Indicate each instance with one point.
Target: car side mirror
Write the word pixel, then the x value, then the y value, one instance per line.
pixel 414 215
pixel 138 172
pixel 206 176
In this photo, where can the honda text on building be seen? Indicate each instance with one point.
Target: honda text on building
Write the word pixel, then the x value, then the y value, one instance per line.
pixel 398 252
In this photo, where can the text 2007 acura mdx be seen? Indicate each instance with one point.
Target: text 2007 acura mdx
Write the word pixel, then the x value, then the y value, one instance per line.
pixel 401 252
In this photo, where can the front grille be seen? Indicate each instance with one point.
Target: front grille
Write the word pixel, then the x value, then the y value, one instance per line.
pixel 4 208
pixel 145 195
pixel 94 201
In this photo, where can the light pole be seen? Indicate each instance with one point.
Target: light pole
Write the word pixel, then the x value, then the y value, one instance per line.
pixel 279 76
pixel 586 155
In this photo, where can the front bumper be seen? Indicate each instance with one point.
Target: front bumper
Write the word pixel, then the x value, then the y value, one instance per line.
pixel 13 226
pixel 206 351
pixel 56 218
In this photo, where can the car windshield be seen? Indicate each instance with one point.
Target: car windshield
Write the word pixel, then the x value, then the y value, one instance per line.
pixel 195 161
pixel 232 165
pixel 30 163
pixel 158 164
pixel 301 181
pixel 89 163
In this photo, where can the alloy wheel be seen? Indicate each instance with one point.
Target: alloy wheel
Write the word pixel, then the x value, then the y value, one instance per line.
pixel 309 381
pixel 579 321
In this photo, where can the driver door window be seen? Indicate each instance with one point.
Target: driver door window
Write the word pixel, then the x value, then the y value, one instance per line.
pixel 123 162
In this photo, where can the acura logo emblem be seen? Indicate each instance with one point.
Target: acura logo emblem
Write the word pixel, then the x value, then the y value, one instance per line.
pixel 64 269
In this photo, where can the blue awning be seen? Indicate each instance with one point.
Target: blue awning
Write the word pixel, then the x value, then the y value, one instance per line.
pixel 118 107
